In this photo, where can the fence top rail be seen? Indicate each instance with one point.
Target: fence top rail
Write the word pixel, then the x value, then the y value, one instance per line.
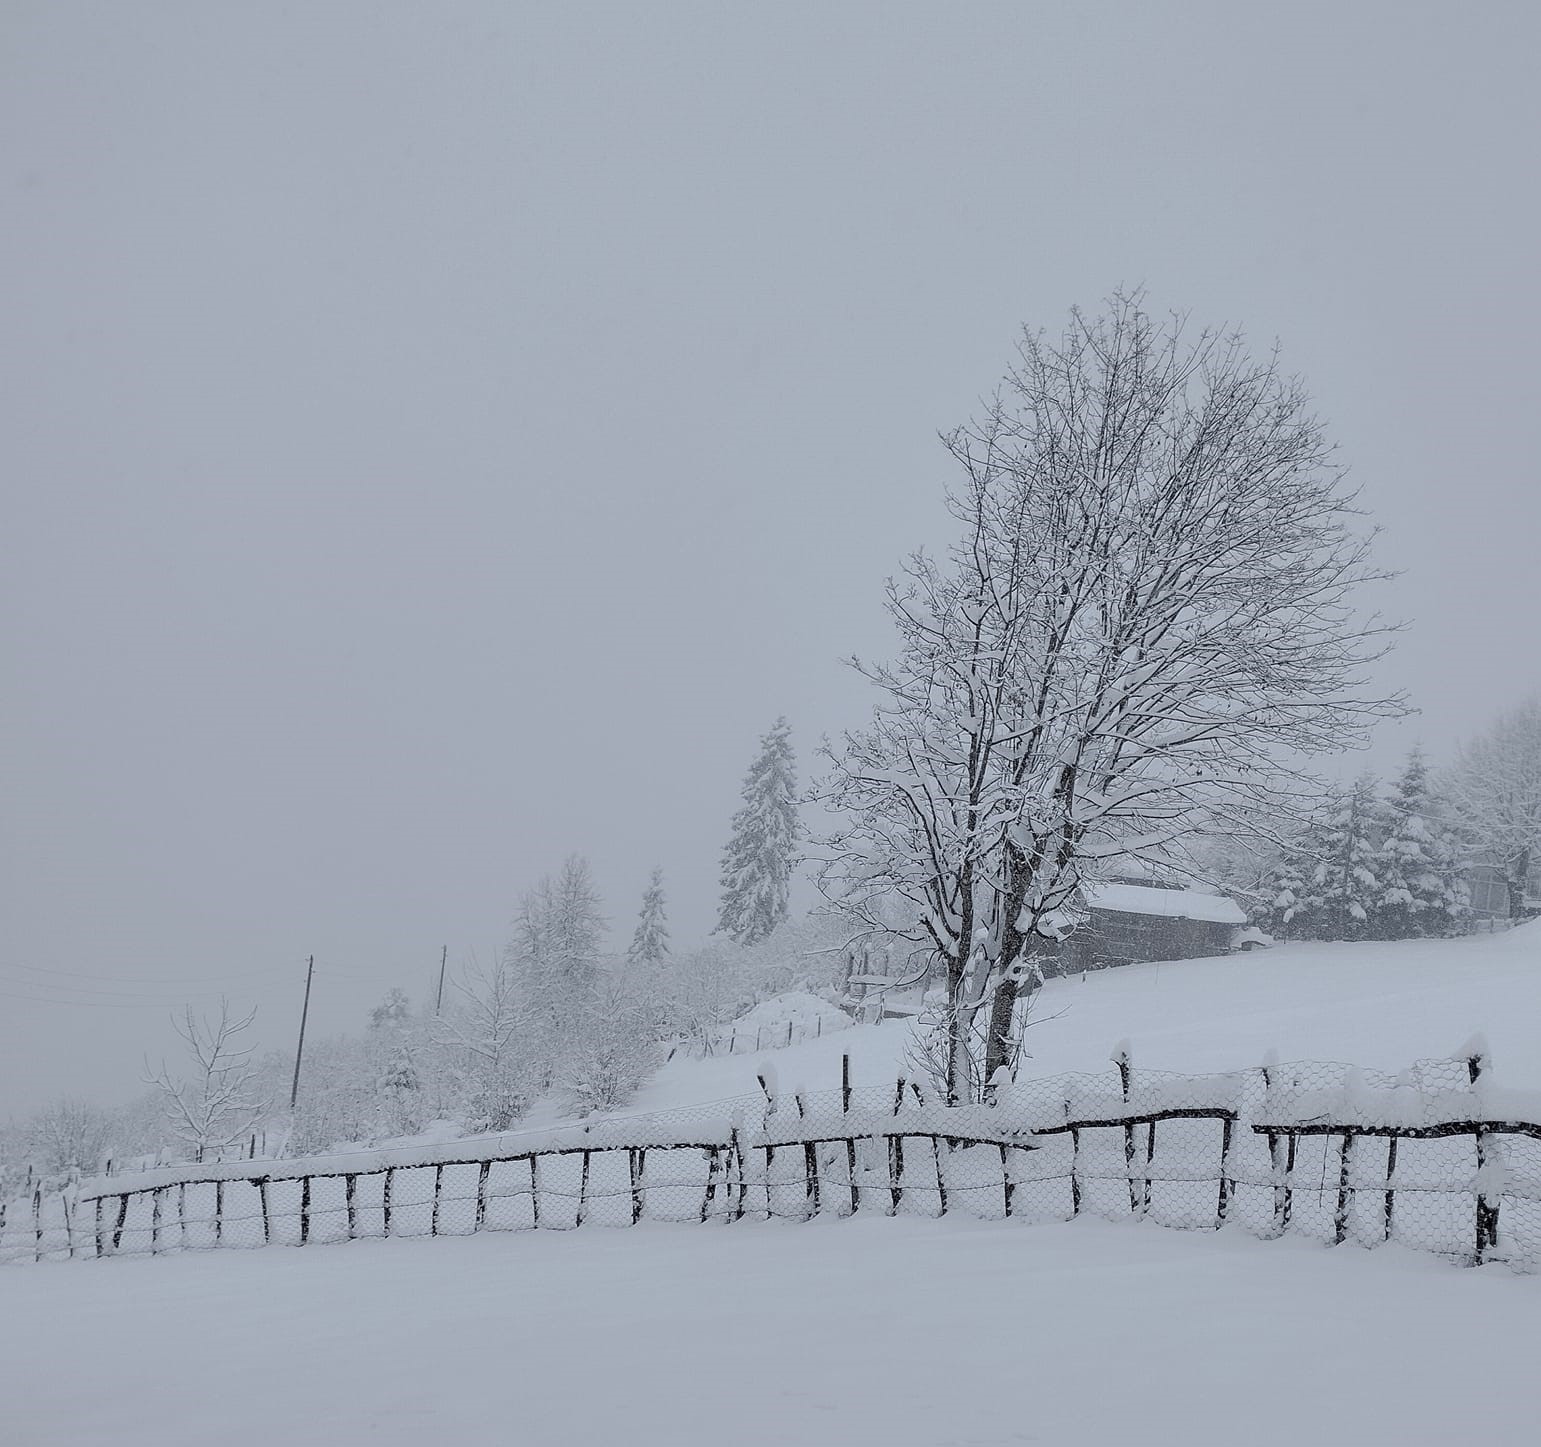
pixel 927 1123
pixel 1405 1132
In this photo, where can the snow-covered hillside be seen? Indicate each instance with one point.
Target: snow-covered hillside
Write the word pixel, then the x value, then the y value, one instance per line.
pixel 1378 1004
pixel 868 1332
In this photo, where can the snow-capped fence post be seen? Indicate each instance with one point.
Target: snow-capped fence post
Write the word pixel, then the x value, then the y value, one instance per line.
pixel 182 1214
pixel 711 1182
pixel 99 1243
pixel 1150 1151
pixel 219 1212
pixel 1121 1060
pixel 481 1195
pixel 267 1218
pixel 387 1190
pixel 845 1084
pixel 583 1191
pixel 941 1182
pixel 1223 1205
pixel 1487 1197
pixel 534 1194
pixel 1006 1186
pixel 1075 1164
pixel 1340 1211
pixel 117 1230
pixel 634 1169
pixel 155 1222
pixel 1389 1205
pixel 438 1190
pixel 735 1176
pixel 896 1156
pixel 1270 1067
pixel 37 1222
pixel 811 1166
pixel 350 1199
pixel 304 1210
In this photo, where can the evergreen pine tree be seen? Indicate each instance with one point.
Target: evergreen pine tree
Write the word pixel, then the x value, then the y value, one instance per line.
pixel 556 951
pixel 650 944
pixel 1284 911
pixel 1422 892
pixel 757 864
pixel 1344 889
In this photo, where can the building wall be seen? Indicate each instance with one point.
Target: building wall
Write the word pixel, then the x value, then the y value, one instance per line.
pixel 1113 938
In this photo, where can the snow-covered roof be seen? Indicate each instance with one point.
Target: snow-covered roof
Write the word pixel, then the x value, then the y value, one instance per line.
pixel 1168 903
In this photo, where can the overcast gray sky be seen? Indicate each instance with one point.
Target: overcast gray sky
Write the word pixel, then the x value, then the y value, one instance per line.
pixel 440 437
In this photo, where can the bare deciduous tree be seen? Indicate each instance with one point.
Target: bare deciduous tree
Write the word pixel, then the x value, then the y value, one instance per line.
pixel 1147 622
pixel 218 1101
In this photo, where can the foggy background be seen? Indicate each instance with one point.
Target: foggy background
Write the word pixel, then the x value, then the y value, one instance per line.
pixel 439 438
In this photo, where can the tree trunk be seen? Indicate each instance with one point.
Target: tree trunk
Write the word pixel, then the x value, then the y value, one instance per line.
pixel 1517 876
pixel 1001 1042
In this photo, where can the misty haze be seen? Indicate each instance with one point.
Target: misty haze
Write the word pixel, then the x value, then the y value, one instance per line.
pixel 852 686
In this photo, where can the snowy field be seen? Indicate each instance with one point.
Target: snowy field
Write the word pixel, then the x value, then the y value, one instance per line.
pixel 902 1333
pixel 1380 1005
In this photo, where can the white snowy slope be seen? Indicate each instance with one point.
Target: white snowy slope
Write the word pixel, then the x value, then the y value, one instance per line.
pixel 1381 1005
pixel 866 1333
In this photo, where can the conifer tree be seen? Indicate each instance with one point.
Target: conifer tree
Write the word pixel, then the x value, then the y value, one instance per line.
pixel 757 864
pixel 1285 908
pixel 556 950
pixel 1422 891
pixel 650 943
pixel 1344 889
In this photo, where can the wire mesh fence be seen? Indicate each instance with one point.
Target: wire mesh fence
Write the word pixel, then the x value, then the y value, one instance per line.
pixel 1429 1159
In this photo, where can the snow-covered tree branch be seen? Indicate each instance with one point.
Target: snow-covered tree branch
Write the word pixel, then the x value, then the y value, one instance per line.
pixel 1147 621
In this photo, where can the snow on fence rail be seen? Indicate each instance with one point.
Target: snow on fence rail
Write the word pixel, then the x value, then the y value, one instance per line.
pixel 1435 1159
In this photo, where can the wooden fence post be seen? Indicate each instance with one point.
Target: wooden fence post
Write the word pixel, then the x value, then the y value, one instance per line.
pixel 386 1192
pixel 304 1210
pixel 1391 1195
pixel 634 1159
pixel 1007 1186
pixel 941 1182
pixel 1280 1220
pixel 1340 1212
pixel 583 1190
pixel 182 1214
pixel 811 1185
pixel 267 1219
pixel 534 1194
pixel 1222 1206
pixel 350 1197
pixel 1289 1179
pixel 438 1186
pixel 845 1085
pixel 1075 1179
pixel 37 1223
pixel 735 1164
pixel 1487 1204
pixel 1150 1151
pixel 219 1212
pixel 481 1194
pixel 155 1222
pixel 99 1251
pixel 710 1189
pixel 1121 1059
pixel 117 1233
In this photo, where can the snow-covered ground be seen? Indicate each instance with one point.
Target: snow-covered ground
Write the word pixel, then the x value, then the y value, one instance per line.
pixel 1381 1005
pixel 893 1333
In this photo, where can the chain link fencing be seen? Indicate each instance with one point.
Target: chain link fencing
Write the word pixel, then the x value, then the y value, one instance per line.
pixel 1433 1159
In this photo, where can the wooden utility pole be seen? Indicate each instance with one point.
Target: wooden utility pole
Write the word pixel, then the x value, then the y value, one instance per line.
pixel 299 1050
pixel 438 1004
